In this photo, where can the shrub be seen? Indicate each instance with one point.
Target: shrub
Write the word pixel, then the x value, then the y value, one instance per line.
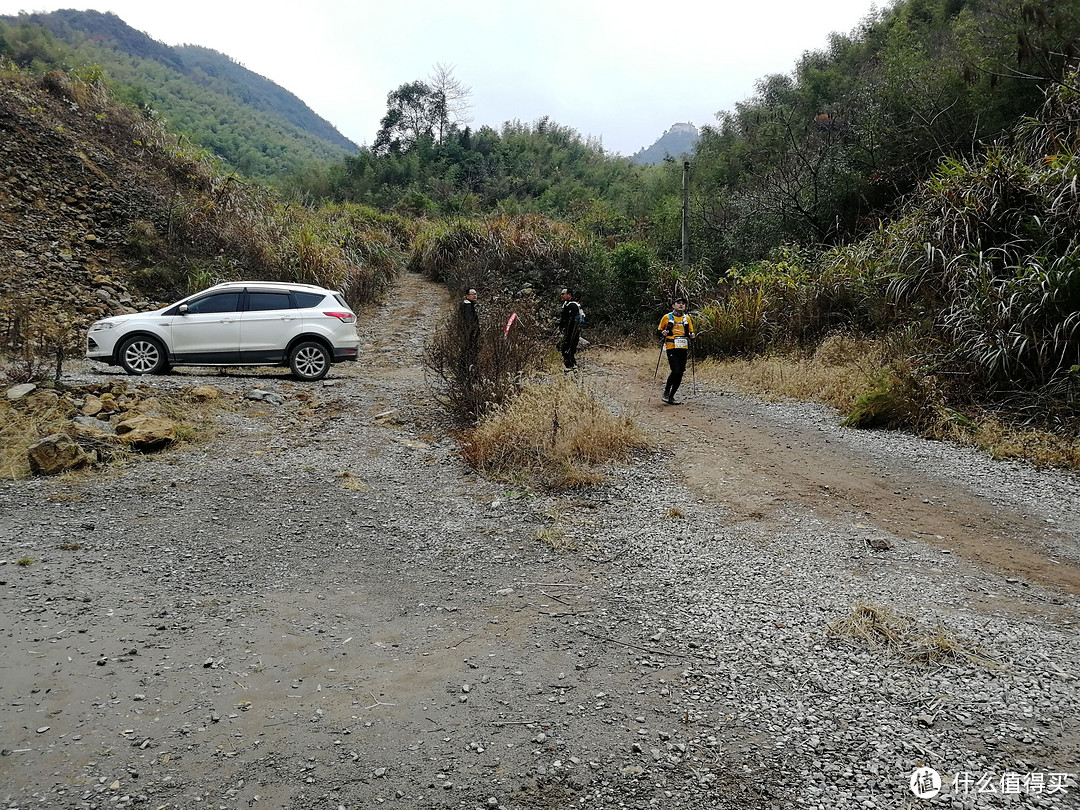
pixel 555 433
pixel 471 374
pixel 35 342
pixel 506 252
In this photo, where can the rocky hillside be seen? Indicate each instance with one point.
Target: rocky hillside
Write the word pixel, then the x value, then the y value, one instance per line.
pixel 678 142
pixel 80 180
pixel 258 127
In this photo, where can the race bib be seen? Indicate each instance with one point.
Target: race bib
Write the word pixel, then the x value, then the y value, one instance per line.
pixel 681 342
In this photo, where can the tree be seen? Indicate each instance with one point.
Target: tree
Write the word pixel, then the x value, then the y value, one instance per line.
pixel 455 98
pixel 413 111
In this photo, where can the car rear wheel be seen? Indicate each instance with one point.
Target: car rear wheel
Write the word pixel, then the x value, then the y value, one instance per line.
pixel 309 361
pixel 142 355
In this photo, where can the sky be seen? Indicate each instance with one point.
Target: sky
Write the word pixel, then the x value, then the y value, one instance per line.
pixel 612 70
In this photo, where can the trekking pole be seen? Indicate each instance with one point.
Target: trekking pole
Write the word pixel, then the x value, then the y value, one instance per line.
pixel 662 344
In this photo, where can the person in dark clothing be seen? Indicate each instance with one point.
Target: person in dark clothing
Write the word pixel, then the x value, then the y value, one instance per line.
pixel 677 330
pixel 570 326
pixel 470 330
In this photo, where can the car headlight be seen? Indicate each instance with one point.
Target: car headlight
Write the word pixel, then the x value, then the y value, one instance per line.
pixel 101 326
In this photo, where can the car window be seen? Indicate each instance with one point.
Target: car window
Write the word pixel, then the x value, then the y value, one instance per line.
pixel 342 301
pixel 307 300
pixel 261 301
pixel 218 302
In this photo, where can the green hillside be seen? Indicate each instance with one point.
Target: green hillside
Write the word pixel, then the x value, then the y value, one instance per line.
pixel 260 129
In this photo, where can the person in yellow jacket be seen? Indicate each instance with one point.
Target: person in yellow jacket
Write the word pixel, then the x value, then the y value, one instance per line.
pixel 677 330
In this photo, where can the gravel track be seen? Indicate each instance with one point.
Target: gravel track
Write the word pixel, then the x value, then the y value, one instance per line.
pixel 321 607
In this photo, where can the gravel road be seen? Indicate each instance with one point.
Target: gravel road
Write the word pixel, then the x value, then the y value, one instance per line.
pixel 320 606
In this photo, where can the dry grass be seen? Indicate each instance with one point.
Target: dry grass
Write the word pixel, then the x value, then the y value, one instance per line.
pixel 556 539
pixel 883 630
pixel 1039 447
pixel 835 374
pixel 843 372
pixel 555 434
pixel 352 482
pixel 20 428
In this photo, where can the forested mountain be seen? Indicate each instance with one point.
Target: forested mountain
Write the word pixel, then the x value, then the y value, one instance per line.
pixel 676 143
pixel 260 129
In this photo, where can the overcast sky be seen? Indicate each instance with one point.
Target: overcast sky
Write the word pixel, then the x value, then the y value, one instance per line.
pixel 610 69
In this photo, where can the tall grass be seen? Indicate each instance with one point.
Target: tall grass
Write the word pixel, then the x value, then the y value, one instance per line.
pixel 525 250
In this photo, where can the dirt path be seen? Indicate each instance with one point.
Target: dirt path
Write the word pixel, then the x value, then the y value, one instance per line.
pixel 738 453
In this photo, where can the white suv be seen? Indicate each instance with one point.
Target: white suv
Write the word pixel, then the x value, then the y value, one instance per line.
pixel 239 323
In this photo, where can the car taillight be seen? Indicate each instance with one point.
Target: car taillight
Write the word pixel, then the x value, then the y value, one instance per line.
pixel 344 317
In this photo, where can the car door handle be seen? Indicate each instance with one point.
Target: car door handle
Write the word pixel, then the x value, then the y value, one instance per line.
pixel 227 320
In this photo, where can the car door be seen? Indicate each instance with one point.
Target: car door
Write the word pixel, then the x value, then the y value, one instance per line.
pixel 209 331
pixel 267 324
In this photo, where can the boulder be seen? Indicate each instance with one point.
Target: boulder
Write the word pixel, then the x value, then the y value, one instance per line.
pixel 57 453
pixel 205 393
pixel 91 428
pixel 91 405
pixel 151 405
pixel 145 432
pixel 41 401
pixel 20 391
pixel 260 395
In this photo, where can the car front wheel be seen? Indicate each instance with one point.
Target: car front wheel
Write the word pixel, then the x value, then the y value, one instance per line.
pixel 309 361
pixel 142 355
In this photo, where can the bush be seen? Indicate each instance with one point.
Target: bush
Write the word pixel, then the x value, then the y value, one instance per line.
pixel 472 373
pixel 555 433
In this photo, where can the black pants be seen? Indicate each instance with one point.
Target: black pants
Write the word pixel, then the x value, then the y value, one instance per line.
pixel 568 348
pixel 676 359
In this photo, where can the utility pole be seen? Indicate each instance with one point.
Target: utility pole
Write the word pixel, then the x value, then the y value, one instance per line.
pixel 686 218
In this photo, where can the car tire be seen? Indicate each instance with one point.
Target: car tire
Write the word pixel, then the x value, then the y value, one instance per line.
pixel 309 361
pixel 142 355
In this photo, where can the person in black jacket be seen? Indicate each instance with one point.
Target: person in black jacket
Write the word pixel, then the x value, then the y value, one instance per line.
pixel 570 326
pixel 470 330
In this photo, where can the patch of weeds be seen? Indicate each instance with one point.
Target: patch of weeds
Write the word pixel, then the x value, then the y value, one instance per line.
pixel 572 476
pixel 352 482
pixel 556 539
pixel 70 546
pixel 891 401
pixel 25 561
pixel 186 433
pixel 883 630
pixel 674 513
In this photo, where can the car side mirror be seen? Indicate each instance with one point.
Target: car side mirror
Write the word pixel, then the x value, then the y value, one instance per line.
pixel 182 309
